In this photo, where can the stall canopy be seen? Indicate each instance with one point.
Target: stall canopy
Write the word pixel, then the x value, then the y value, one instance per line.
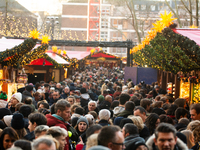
pixel 193 34
pixel 77 54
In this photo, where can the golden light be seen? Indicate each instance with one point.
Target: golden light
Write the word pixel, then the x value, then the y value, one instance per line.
pixel 54 49
pixel 193 27
pixel 167 19
pixel 34 34
pixel 45 39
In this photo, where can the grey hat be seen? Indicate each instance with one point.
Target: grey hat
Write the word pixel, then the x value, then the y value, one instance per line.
pixel 99 147
pixel 76 96
pixel 83 119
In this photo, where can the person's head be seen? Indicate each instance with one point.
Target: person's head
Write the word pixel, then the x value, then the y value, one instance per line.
pixel 114 104
pixel 92 141
pixel 58 85
pixel 40 130
pixel 79 110
pixel 145 103
pixel 129 106
pixel 17 121
pixel 43 105
pixel 104 114
pixel 23 144
pixel 7 137
pixel 108 98
pixel 66 90
pixel 180 102
pixel 29 88
pixel 140 111
pixel 90 119
pixel 93 129
pixel 37 96
pixel 157 104
pixel 25 110
pixel 56 94
pixel 111 137
pixel 165 136
pixel 166 119
pixel 59 134
pixel 28 100
pixel 195 111
pixel 82 124
pixel 94 114
pixel 71 99
pixel 36 119
pixel 123 98
pixel 193 124
pixel 16 98
pixel 44 142
pixel 172 109
pixel 62 109
pixel 181 113
pixel 137 120
pixel 152 122
pixel 189 137
pixel 85 85
pixel 129 129
pixel 92 105
pixel 135 99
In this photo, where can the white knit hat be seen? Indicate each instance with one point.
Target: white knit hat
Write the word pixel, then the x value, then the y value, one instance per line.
pixel 7 119
pixel 18 96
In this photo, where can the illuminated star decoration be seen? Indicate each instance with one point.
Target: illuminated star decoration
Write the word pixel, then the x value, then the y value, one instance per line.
pixel 34 34
pixel 158 26
pixel 64 52
pixel 45 39
pixel 193 26
pixel 54 49
pixel 167 19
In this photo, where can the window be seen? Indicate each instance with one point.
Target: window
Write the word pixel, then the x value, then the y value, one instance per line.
pixel 153 7
pixel 143 7
pixel 136 7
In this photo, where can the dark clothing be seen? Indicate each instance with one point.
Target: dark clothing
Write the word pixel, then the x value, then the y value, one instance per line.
pixel 26 94
pixel 64 95
pixel 104 105
pixel 104 122
pixel 125 113
pixel 195 147
pixel 52 101
pixel 30 136
pixel 132 138
pixel 158 111
pixel 180 126
pixel 144 133
pixel 86 110
pixel 12 109
pixel 47 97
pixel 85 98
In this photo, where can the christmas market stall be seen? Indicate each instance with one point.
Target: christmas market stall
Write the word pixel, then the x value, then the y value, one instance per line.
pixel 175 53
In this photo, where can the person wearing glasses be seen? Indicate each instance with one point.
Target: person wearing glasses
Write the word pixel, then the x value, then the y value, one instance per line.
pixel 55 98
pixel 111 137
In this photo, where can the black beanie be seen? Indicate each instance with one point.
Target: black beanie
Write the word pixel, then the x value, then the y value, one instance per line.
pixel 17 121
pixel 4 112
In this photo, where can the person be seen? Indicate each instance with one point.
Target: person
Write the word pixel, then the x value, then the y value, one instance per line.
pixel 111 137
pixel 36 98
pixel 60 118
pixel 92 106
pixel 71 100
pixel 131 134
pixel 129 107
pixel 55 98
pixel 35 119
pixel 146 104
pixel 122 100
pixel 196 134
pixel 40 130
pixel 105 104
pixel 195 111
pixel 7 138
pixel 190 138
pixel 27 93
pixel 59 134
pixel 117 92
pixel 92 141
pixel 85 97
pixel 25 110
pixel 140 111
pixel 23 144
pixel 46 92
pixel 165 138
pixel 65 92
pixel 15 99
pixel 104 116
pixel 44 143
pixel 152 122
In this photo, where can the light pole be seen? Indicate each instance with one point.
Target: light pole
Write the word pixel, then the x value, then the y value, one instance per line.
pixel 52 21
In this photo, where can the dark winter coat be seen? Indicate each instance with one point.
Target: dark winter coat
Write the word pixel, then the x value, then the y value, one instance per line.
pixel 26 94
pixel 132 138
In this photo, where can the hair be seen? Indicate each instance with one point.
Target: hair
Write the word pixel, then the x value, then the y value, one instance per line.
pixel 46 85
pixel 39 129
pixel 114 104
pixel 166 119
pixel 21 132
pixel 157 98
pixel 71 97
pixel 104 114
pixel 193 124
pixel 11 132
pixel 150 122
pixel 90 119
pixel 137 120
pixel 135 99
pixel 123 98
pixel 79 110
pixel 28 100
pixel 184 121
pixel 142 110
pixel 131 129
pixel 29 88
pixel 52 109
pixel 92 102
pixel 56 132
pixel 144 103
pixel 73 108
pixel 180 112
pixel 92 129
pixel 61 105
pixel 44 111
pixel 23 144
pixel 38 118
pixel 42 101
pixel 108 134
pixel 189 137
pixel 94 114
pixel 165 128
pixel 172 109
pixel 36 94
pixel 118 88
pixel 92 141
pixel 18 105
pixel 130 106
pixel 37 85
pixel 48 140
pixel 196 107
pixel 25 110
pixel 46 105
pixel 157 104
pixel 166 106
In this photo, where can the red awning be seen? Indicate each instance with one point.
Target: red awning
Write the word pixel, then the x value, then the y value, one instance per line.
pixel 192 34
pixel 40 62
pixel 103 55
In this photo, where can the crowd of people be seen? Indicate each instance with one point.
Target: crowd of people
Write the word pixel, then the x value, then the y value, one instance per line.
pixel 97 110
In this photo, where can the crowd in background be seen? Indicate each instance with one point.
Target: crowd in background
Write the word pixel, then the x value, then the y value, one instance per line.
pixel 97 109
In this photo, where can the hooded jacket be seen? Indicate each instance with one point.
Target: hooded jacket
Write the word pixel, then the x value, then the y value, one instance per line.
pixel 179 144
pixel 117 110
pixel 85 98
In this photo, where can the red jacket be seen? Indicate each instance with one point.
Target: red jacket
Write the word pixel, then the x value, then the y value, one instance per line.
pixel 52 121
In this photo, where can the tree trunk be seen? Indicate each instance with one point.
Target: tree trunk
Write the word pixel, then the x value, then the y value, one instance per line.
pixel 190 8
pixel 197 10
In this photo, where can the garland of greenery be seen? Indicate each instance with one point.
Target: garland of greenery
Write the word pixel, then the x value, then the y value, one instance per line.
pixel 14 54
pixel 32 55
